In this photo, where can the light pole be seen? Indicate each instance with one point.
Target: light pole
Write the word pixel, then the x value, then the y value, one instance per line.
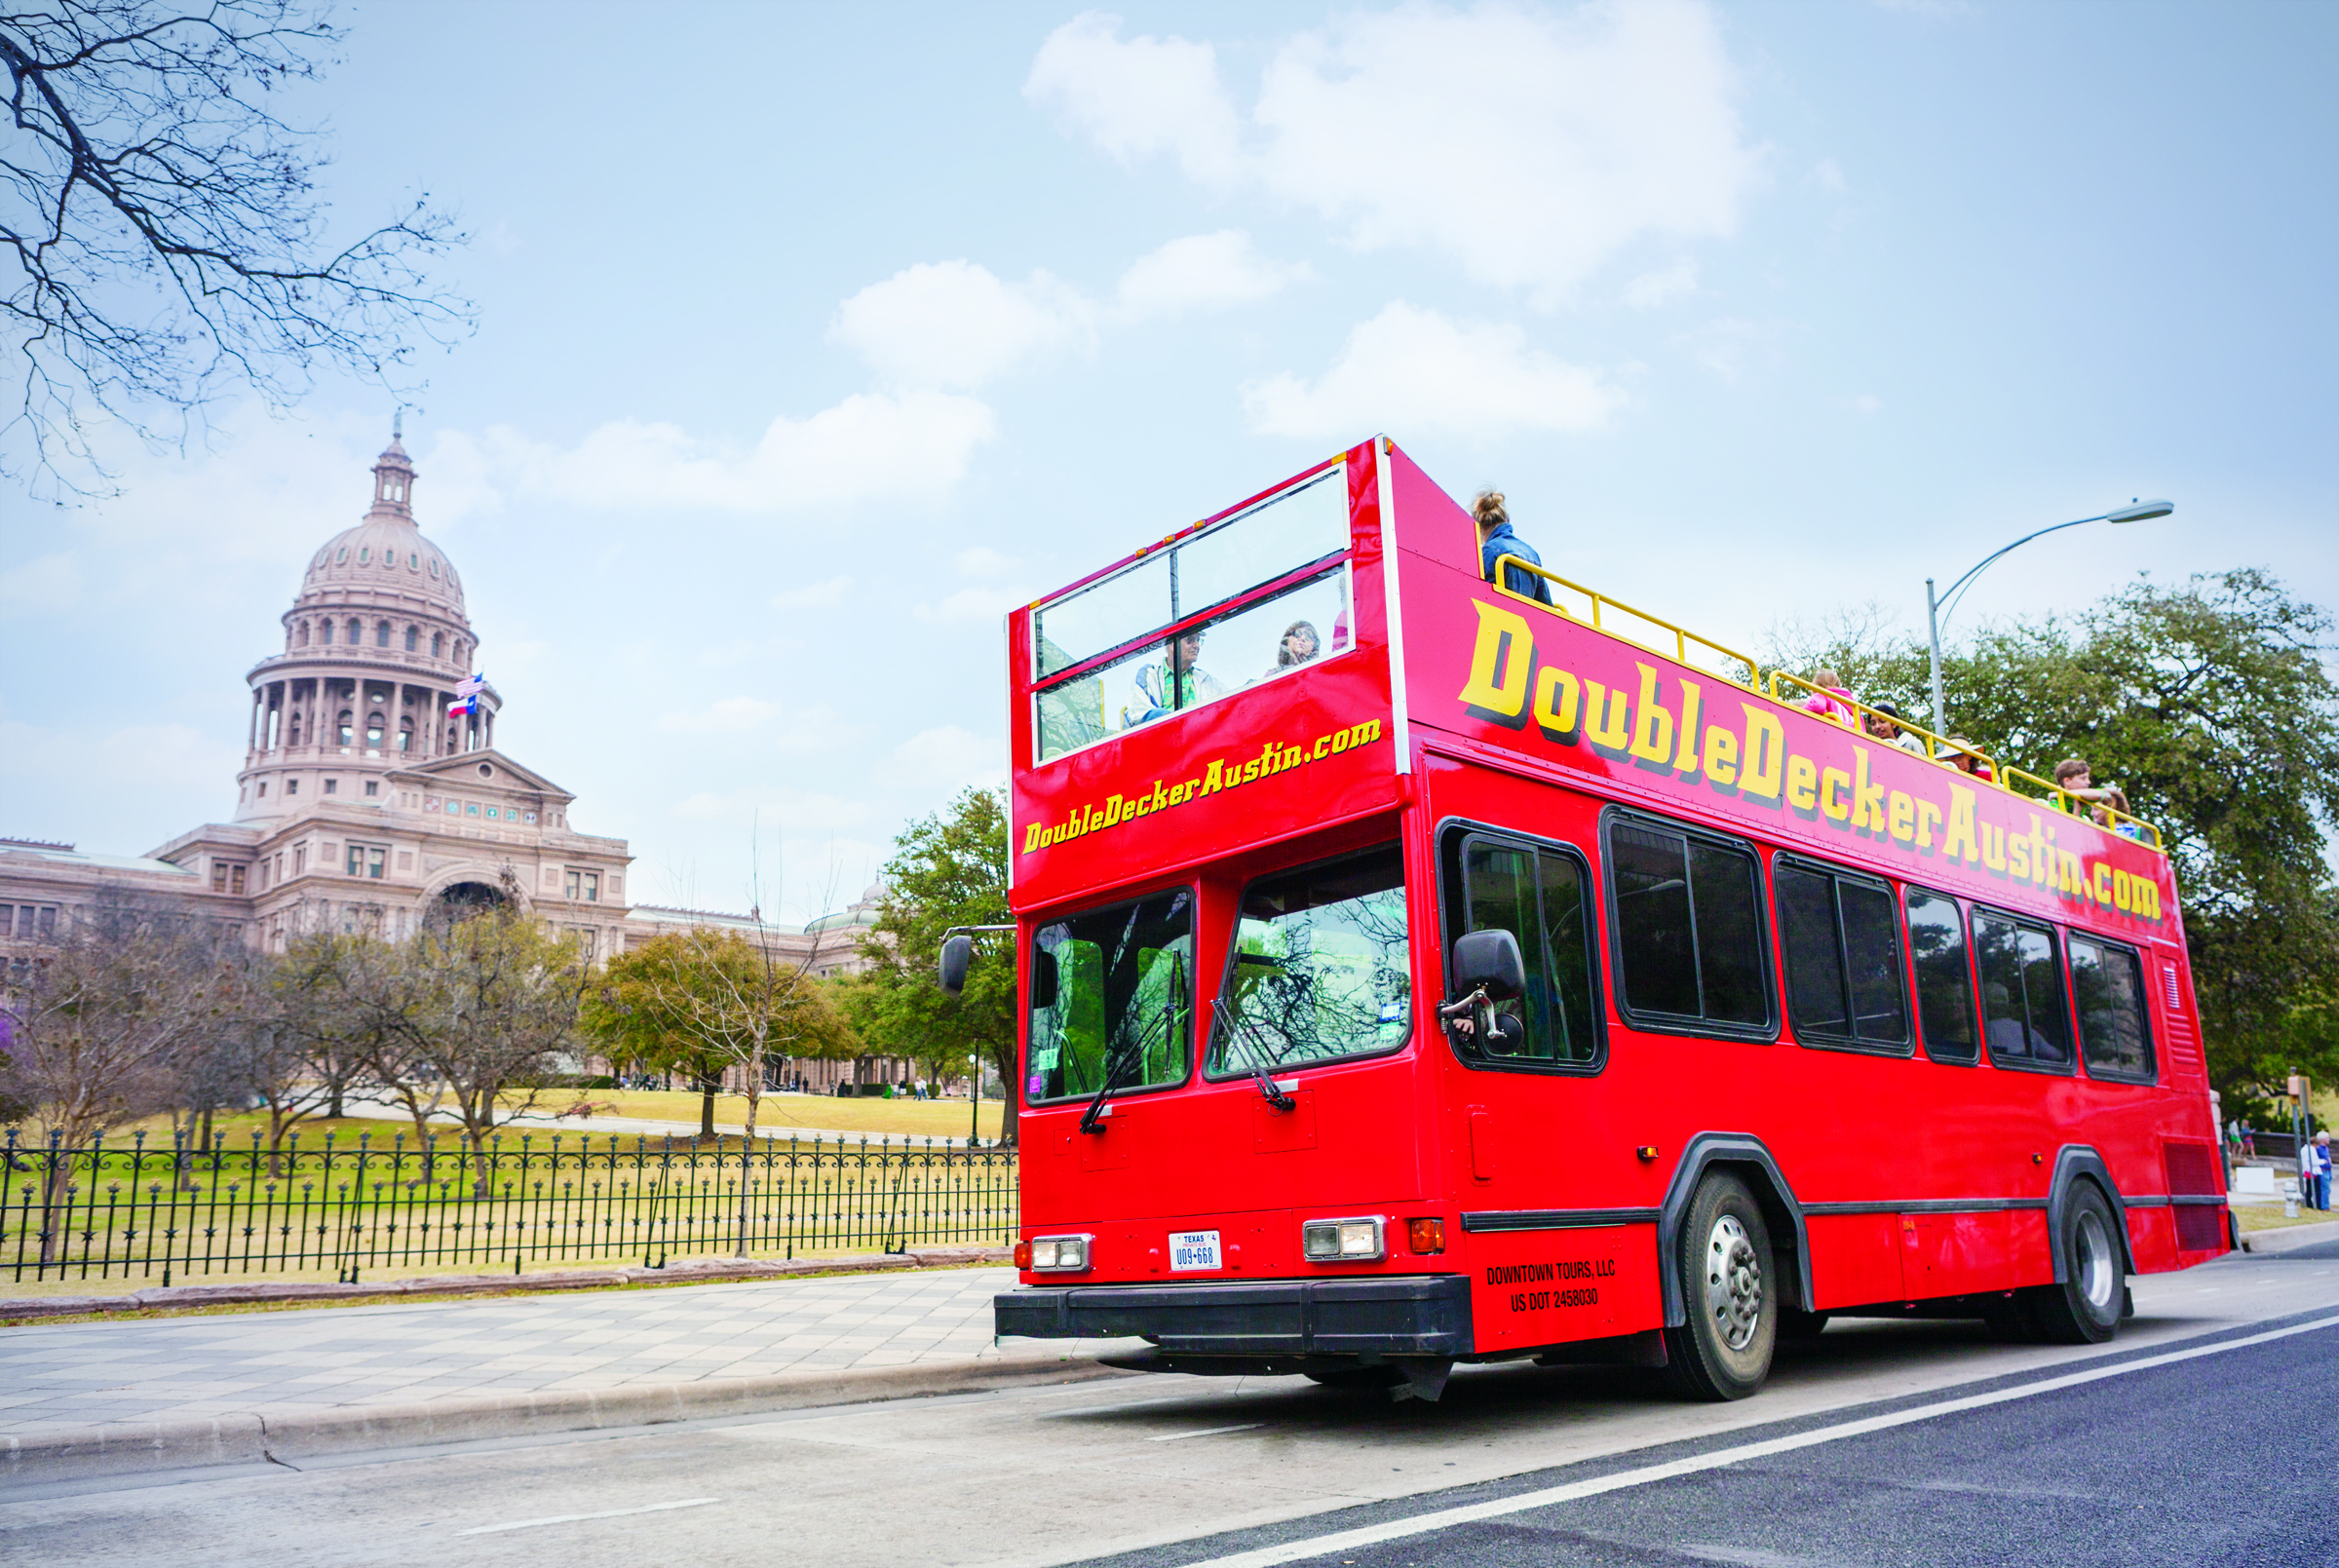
pixel 1938 608
pixel 974 1099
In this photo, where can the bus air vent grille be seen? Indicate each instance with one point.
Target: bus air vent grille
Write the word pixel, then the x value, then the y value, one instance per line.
pixel 2193 1169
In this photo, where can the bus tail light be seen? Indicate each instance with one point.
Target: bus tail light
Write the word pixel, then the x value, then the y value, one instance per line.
pixel 1425 1237
pixel 1057 1255
pixel 1343 1240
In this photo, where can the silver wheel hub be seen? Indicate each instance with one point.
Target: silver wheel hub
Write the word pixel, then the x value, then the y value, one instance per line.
pixel 1732 1282
pixel 2093 1263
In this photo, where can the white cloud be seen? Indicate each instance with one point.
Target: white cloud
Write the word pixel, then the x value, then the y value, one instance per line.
pixel 775 807
pixel 1146 96
pixel 980 602
pixel 870 447
pixel 1409 368
pixel 953 324
pixel 727 713
pixel 1204 272
pixel 1652 289
pixel 982 561
pixel 47 583
pixel 947 759
pixel 1528 147
pixel 814 596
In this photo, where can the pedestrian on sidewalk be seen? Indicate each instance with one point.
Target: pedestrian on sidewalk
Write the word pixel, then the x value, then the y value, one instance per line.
pixel 2323 1172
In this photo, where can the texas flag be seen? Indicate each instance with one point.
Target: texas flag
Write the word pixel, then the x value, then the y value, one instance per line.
pixel 467 696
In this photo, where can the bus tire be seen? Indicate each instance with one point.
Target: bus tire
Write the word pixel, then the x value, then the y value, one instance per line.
pixel 2083 1308
pixel 1728 1292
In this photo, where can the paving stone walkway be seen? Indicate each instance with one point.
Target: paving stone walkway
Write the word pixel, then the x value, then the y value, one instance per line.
pixel 158 1369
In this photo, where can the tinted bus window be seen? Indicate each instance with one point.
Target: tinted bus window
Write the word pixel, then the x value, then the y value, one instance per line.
pixel 1937 941
pixel 1540 895
pixel 1842 946
pixel 1118 984
pixel 1321 967
pixel 2022 992
pixel 1689 927
pixel 2107 985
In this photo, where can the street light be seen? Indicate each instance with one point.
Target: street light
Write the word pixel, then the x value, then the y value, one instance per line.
pixel 974 1099
pixel 1938 607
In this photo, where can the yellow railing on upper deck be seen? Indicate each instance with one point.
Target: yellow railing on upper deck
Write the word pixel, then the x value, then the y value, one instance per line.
pixel 1770 683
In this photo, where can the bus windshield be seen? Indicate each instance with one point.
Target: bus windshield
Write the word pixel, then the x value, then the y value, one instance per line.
pixel 1321 967
pixel 1112 992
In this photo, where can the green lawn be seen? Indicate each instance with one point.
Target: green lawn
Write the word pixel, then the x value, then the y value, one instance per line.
pixel 918 1119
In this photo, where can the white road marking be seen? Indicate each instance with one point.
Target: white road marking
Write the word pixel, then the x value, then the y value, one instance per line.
pixel 1206 1432
pixel 605 1514
pixel 1470 1513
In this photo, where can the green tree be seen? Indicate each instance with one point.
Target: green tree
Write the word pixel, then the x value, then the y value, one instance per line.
pixel 703 1001
pixel 949 869
pixel 2209 706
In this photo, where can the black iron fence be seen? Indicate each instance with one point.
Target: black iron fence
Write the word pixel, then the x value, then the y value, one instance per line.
pixel 177 1214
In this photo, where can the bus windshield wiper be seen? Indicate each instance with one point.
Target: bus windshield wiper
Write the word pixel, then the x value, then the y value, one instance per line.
pixel 1091 1120
pixel 1269 1089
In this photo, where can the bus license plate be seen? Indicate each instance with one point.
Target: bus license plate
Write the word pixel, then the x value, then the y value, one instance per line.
pixel 1194 1251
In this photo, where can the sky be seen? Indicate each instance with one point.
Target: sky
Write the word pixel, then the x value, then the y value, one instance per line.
pixel 810 338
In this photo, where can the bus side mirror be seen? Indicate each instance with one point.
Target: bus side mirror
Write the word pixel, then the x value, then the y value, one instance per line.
pixel 1490 959
pixel 957 953
pixel 1042 979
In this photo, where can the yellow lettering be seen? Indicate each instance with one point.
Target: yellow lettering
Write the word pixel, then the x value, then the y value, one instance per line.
pixel 1031 838
pixel 1993 849
pixel 1835 786
pixel 2148 898
pixel 1250 770
pixel 2103 884
pixel 1687 757
pixel 1114 811
pixel 1959 843
pixel 1215 779
pixel 2017 858
pixel 1610 713
pixel 1802 783
pixel 1653 735
pixel 1766 754
pixel 1929 817
pixel 1369 730
pixel 1867 808
pixel 2070 876
pixel 2124 898
pixel 1322 745
pixel 1558 702
pixel 1904 818
pixel 1721 756
pixel 1499 664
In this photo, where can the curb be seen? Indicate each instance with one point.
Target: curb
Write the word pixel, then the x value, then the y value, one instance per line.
pixel 78 1453
pixel 683 1271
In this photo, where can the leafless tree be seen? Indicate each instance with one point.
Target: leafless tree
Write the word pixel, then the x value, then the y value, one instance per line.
pixel 99 1033
pixel 164 223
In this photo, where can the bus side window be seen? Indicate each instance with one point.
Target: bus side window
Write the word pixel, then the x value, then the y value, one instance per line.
pixel 1541 897
pixel 1690 937
pixel 1937 941
pixel 1842 946
pixel 2022 992
pixel 2107 983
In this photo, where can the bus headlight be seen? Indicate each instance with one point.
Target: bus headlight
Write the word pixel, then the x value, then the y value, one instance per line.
pixel 1059 1254
pixel 1344 1241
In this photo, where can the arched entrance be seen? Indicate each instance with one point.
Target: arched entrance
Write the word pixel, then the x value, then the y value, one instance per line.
pixel 459 902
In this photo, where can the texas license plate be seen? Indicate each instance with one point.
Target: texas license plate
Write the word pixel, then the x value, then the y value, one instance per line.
pixel 1194 1251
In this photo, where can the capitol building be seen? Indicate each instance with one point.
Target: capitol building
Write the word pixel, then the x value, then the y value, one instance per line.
pixel 364 804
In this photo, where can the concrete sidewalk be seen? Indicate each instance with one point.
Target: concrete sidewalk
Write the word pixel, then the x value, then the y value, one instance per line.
pixel 84 1399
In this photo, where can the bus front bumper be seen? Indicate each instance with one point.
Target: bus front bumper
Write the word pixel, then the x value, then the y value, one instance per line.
pixel 1382 1314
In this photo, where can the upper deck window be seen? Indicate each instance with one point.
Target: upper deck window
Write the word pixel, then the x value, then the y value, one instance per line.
pixel 1690 936
pixel 1209 586
pixel 1321 967
pixel 1112 991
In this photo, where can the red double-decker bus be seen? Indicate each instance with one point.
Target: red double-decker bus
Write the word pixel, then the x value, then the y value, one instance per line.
pixel 1418 969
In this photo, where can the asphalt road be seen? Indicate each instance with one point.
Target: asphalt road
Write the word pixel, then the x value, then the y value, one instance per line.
pixel 1879 1443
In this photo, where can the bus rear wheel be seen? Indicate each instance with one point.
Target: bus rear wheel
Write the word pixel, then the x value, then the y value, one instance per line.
pixel 2084 1307
pixel 1723 1254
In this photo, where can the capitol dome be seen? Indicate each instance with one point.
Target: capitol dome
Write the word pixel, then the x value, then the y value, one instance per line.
pixel 385 554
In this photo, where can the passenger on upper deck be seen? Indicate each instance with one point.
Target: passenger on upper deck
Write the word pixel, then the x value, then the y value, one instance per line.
pixel 1298 645
pixel 1962 757
pixel 1175 683
pixel 1884 723
pixel 2077 783
pixel 1496 540
pixel 1833 700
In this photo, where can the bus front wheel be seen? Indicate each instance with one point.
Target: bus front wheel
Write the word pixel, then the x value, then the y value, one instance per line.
pixel 2083 1308
pixel 1723 1253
